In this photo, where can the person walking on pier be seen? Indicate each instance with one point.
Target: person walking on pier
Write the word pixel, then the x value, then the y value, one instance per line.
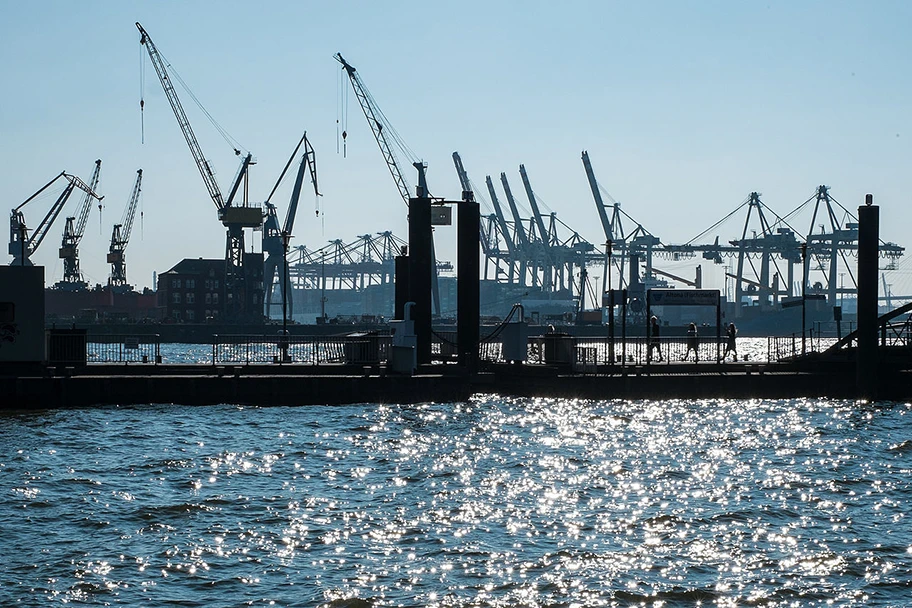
pixel 654 340
pixel 731 345
pixel 692 343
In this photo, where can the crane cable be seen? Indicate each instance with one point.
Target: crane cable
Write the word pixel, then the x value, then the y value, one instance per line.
pixel 232 142
pixel 142 95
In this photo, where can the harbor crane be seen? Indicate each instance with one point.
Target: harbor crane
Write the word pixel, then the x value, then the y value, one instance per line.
pixel 521 238
pixel 21 245
pixel 379 126
pixel 242 298
pixel 513 248
pixel 275 237
pixel 72 235
pixel 120 236
pixel 489 231
pixel 543 233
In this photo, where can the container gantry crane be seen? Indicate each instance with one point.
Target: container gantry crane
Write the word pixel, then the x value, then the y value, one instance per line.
pixel 21 245
pixel 543 233
pixel 242 300
pixel 275 237
pixel 73 231
pixel 487 233
pixel 513 249
pixel 120 236
pixel 522 237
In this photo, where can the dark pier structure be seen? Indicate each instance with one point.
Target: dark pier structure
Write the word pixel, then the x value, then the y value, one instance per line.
pixel 57 369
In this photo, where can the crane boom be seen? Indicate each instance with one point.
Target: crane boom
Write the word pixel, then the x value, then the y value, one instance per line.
pixel 202 164
pixel 130 211
pixel 483 235
pixel 372 113
pixel 242 292
pixel 597 195
pixel 498 213
pixel 45 225
pixel 21 246
pixel 309 160
pixel 87 202
pixel 517 220
pixel 543 233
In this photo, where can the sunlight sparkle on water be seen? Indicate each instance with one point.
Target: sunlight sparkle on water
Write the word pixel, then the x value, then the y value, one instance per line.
pixel 496 502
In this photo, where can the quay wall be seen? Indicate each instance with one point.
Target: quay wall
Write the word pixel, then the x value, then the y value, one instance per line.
pixel 265 385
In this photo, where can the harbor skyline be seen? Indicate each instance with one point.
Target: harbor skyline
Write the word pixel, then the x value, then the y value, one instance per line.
pixel 685 110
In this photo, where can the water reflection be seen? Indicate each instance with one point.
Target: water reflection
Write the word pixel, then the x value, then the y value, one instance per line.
pixel 493 502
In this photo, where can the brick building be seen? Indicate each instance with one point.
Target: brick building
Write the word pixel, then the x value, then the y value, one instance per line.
pixel 193 291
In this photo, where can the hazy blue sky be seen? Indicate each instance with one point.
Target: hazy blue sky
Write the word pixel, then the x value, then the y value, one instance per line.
pixel 684 107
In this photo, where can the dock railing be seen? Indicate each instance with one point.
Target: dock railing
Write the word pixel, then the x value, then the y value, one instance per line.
pixel 588 354
pixel 368 349
pixel 143 349
pixel 784 348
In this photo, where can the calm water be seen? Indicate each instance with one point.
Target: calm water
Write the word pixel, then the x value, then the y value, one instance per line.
pixel 490 503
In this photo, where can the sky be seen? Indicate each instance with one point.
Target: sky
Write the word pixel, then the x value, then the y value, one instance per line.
pixel 684 108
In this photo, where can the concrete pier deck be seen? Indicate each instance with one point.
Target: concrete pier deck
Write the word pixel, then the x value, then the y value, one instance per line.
pixel 28 387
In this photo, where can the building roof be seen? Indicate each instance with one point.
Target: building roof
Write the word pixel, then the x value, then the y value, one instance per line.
pixel 196 266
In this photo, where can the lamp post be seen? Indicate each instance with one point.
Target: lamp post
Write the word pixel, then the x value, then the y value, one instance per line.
pixel 323 287
pixel 804 280
pixel 286 236
pixel 608 245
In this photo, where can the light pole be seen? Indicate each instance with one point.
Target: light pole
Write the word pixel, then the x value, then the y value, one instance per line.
pixel 804 280
pixel 608 245
pixel 286 236
pixel 323 287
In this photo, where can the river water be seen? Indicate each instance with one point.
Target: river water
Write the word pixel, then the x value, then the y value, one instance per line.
pixel 494 502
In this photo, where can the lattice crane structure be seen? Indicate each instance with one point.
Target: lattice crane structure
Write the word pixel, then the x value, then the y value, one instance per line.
pixel 243 300
pixel 73 231
pixel 120 237
pixel 276 237
pixel 22 245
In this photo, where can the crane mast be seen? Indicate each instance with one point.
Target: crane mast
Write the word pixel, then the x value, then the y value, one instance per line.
pixel 120 236
pixel 72 235
pixel 21 245
pixel 241 302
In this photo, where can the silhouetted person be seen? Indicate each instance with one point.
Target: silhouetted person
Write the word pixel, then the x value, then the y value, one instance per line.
pixel 731 345
pixel 692 342
pixel 654 340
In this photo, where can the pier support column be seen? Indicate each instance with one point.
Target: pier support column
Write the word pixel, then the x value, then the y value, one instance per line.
pixel 467 282
pixel 402 284
pixel 866 362
pixel 421 269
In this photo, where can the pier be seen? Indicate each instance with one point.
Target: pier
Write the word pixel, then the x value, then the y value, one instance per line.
pixel 412 362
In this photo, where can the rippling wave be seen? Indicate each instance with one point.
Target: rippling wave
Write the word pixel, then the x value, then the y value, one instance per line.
pixel 495 502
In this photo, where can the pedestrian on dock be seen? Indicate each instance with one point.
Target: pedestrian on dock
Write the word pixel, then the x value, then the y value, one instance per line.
pixel 692 343
pixel 654 339
pixel 731 345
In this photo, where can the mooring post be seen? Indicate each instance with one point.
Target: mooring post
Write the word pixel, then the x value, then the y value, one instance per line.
pixel 866 361
pixel 468 217
pixel 401 283
pixel 421 269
